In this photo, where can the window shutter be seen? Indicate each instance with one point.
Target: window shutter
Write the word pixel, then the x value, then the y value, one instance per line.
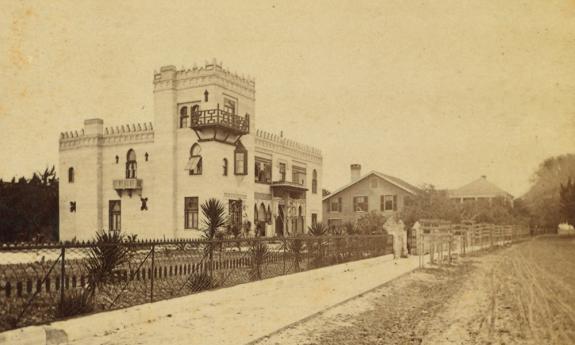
pixel 395 202
pixel 340 205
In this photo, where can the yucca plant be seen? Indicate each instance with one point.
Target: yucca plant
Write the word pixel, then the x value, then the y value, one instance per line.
pixel 105 257
pixel 214 219
pixel 296 248
pixel 258 253
pixel 77 302
pixel 317 230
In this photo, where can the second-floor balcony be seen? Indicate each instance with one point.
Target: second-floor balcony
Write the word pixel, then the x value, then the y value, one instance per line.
pixel 128 184
pixel 220 119
pixel 288 186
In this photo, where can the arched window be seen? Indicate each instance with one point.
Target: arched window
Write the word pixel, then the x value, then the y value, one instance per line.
pixel 184 117
pixel 314 182
pixel 225 166
pixel 195 109
pixel 240 160
pixel 195 162
pixel 131 164
pixel 71 175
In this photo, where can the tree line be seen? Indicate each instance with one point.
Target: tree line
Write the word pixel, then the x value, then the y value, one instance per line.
pixel 29 208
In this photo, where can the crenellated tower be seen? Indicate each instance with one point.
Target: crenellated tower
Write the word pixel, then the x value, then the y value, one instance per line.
pixel 209 107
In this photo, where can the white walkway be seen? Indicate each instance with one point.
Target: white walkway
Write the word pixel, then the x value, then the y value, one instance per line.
pixel 236 315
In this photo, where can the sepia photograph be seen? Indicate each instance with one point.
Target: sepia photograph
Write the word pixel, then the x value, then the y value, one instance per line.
pixel 271 172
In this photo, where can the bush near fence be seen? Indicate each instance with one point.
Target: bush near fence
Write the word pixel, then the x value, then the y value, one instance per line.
pixel 42 283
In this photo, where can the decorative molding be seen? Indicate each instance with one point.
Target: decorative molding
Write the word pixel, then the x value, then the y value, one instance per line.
pixel 279 144
pixel 262 196
pixel 118 135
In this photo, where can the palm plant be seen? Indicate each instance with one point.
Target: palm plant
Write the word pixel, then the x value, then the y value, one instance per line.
pixel 258 253
pixel 105 257
pixel 296 248
pixel 214 219
pixel 317 230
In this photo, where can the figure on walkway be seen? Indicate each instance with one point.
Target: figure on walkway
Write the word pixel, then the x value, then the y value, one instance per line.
pixel 395 227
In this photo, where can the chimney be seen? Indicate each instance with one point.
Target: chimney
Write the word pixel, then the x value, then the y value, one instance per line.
pixel 355 172
pixel 94 126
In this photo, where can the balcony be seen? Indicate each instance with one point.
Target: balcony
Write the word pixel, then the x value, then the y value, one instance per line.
pixel 128 184
pixel 288 186
pixel 219 125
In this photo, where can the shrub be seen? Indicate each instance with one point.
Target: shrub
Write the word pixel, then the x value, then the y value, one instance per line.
pixel 201 282
pixel 76 302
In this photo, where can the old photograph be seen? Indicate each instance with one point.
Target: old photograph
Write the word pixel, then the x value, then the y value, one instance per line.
pixel 287 172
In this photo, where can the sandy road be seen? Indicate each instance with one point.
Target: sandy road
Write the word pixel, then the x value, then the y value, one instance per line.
pixel 523 294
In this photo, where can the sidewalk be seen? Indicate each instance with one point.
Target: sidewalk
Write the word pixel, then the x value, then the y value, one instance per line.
pixel 235 315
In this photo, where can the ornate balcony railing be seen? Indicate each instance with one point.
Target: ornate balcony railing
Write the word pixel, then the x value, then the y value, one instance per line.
pixel 289 185
pixel 128 184
pixel 220 118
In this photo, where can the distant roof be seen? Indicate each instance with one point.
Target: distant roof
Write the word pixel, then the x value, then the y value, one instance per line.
pixel 478 188
pixel 391 179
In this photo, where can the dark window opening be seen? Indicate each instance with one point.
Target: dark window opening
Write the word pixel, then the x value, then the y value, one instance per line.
pixel 71 175
pixel 263 171
pixel 314 182
pixel 194 165
pixel 184 117
pixel 115 215
pixel 131 164
pixel 240 160
pixel 191 212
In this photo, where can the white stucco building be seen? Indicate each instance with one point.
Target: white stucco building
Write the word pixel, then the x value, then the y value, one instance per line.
pixel 151 179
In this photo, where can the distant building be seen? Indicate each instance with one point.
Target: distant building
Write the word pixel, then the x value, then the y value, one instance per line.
pixel 152 180
pixel 480 191
pixel 374 191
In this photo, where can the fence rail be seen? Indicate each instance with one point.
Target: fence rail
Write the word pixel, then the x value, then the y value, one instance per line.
pixel 41 283
pixel 444 241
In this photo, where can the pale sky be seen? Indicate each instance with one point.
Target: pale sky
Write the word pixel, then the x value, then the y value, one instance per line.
pixel 431 91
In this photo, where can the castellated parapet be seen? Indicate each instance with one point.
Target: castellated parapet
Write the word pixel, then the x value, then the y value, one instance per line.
pixel 280 144
pixel 211 73
pixel 94 134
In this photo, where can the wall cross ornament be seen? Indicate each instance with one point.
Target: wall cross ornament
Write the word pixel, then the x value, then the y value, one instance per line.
pixel 144 206
pixel 72 206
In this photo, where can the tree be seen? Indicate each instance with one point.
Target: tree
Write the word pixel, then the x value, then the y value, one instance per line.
pixel 567 201
pixel 371 223
pixel 29 208
pixel 543 198
pixel 430 203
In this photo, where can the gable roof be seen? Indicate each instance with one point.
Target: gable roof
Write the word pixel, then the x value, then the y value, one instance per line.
pixel 479 187
pixel 391 179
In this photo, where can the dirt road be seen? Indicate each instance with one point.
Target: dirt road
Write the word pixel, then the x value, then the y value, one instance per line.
pixel 524 294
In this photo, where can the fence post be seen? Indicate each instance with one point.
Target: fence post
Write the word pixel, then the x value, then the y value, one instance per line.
pixel 153 273
pixel 284 256
pixel 62 274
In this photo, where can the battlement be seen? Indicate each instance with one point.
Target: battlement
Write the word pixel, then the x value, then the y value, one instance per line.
pixel 211 69
pixel 129 128
pixel 288 144
pixel 129 133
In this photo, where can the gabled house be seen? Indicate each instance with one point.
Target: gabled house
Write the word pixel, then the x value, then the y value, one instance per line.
pixel 374 191
pixel 480 191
